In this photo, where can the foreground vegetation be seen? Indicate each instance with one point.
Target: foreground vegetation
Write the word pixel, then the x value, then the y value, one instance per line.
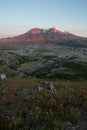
pixel 23 108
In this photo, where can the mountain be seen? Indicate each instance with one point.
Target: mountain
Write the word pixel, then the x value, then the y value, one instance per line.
pixel 44 53
pixel 42 35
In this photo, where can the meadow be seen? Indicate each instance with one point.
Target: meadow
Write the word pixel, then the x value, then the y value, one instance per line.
pixel 23 108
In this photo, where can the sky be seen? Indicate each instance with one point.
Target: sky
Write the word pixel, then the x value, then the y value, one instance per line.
pixel 18 16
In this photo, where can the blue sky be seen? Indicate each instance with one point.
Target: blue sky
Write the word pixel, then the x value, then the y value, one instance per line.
pixel 18 16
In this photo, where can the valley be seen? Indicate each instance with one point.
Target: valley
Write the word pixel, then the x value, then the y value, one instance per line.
pixel 44 60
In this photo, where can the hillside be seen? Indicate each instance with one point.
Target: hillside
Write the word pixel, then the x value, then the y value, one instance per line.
pixel 42 66
pixel 22 107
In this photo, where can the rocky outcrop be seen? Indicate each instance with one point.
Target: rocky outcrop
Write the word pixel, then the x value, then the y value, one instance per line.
pixel 8 58
pixel 3 76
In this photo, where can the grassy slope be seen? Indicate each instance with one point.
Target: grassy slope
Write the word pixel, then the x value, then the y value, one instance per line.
pixel 21 107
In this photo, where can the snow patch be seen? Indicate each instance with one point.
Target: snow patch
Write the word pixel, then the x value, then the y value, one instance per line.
pixel 56 29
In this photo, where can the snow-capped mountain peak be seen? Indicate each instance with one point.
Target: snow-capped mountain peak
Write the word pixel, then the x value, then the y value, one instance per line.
pixel 45 30
pixel 56 29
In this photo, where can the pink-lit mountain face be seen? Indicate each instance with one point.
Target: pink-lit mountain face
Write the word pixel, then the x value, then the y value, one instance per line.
pixel 41 35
